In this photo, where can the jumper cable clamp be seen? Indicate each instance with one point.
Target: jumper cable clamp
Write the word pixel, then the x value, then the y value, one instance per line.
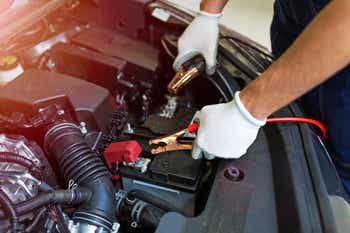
pixel 174 142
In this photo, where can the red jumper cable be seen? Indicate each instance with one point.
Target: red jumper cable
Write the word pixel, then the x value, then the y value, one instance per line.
pixel 319 124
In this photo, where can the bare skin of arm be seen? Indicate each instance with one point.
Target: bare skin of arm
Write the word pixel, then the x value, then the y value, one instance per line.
pixel 319 52
pixel 213 6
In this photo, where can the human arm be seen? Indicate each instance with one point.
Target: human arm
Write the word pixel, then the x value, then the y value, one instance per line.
pixel 319 52
pixel 213 6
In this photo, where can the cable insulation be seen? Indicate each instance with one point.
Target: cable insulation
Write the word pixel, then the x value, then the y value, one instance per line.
pixel 319 124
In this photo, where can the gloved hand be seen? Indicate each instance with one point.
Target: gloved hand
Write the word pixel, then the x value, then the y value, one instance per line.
pixel 225 130
pixel 201 37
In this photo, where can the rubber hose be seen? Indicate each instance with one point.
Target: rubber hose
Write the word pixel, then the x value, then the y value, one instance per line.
pixel 152 199
pixel 79 163
pixel 136 210
pixel 75 197
pixel 75 159
pixel 150 217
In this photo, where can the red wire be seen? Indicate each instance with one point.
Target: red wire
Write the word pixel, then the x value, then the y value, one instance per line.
pixel 300 120
pixel 194 126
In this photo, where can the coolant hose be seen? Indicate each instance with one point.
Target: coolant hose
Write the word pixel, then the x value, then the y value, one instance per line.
pixel 150 217
pixel 137 211
pixel 152 199
pixel 77 162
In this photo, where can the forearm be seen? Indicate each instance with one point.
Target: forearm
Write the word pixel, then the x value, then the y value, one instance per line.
pixel 320 51
pixel 213 6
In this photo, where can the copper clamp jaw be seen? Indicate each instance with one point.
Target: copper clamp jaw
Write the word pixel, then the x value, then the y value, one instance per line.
pixel 171 142
pixel 181 79
pixel 188 71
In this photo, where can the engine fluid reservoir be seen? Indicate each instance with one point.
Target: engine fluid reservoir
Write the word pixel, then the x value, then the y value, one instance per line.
pixel 10 69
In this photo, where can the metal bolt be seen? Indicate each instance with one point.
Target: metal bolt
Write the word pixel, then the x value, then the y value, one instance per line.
pixel 60 112
pixel 120 75
pixel 50 64
pixel 233 174
pixel 134 224
pixel 129 128
pixel 83 128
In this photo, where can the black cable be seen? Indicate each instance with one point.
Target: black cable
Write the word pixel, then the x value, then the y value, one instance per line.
pixel 75 197
pixel 166 49
pixel 36 220
pixel 248 45
pixel 8 207
pixel 16 158
pixel 61 223
pixel 11 157
pixel 49 224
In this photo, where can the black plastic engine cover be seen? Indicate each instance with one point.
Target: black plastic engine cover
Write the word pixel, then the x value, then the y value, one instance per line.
pixel 87 64
pixel 35 89
pixel 142 58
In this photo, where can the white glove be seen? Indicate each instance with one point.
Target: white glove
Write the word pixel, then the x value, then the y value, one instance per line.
pixel 225 130
pixel 200 37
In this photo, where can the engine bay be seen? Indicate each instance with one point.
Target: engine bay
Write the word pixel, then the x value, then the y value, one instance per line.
pixel 89 92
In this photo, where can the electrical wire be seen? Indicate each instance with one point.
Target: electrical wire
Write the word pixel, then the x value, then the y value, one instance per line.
pixel 11 157
pixel 319 124
pixel 167 50
pixel 248 45
pixel 36 220
pixel 10 210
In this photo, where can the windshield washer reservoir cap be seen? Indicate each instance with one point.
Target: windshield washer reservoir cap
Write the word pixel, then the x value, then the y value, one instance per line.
pixel 8 62
pixel 10 69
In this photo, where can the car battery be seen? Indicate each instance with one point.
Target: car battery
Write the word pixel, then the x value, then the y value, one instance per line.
pixel 173 176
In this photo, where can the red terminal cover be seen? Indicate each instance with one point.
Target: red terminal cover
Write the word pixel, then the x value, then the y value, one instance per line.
pixel 193 128
pixel 127 151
